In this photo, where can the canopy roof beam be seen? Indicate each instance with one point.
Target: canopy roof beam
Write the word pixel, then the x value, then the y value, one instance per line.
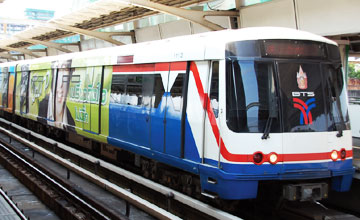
pixel 7 56
pixel 45 43
pixel 21 50
pixel 190 15
pixel 99 35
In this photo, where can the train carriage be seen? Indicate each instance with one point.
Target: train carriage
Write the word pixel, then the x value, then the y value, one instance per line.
pixel 234 108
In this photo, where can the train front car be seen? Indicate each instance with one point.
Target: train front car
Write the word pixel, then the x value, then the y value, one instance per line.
pixel 283 120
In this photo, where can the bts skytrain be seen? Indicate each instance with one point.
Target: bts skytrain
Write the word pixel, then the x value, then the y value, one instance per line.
pixel 220 113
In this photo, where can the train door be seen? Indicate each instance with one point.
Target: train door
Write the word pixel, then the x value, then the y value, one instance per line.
pixel 22 90
pixel 4 77
pixel 91 100
pixel 211 149
pixel 105 101
pixel 11 86
pixel 174 108
pixel 130 104
pixel 303 112
pixel 157 138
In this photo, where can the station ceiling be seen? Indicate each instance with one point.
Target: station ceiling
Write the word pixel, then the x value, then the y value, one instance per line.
pixel 101 14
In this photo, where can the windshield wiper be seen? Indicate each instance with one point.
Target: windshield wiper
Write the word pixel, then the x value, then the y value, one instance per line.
pixel 338 127
pixel 273 114
pixel 267 128
pixel 338 107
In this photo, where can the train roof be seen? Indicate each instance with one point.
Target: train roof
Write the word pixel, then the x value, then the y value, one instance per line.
pixel 204 46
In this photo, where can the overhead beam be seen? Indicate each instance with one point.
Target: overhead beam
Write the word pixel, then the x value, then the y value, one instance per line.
pixel 190 15
pixel 7 56
pixel 99 35
pixel 21 50
pixel 57 46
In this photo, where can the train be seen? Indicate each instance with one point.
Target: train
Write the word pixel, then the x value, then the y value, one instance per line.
pixel 220 114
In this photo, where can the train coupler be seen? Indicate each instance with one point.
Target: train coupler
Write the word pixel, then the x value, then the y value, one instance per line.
pixel 305 192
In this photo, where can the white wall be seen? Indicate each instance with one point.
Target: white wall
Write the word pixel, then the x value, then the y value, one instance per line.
pixel 329 17
pixel 176 28
pixel 278 13
pixel 354 110
pixel 323 17
pixel 94 43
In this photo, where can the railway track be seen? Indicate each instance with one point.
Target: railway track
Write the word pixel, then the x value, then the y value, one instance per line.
pixel 57 194
pixel 10 208
pixel 153 199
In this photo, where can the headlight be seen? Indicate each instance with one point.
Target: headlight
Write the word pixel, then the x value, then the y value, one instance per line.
pixel 273 158
pixel 334 155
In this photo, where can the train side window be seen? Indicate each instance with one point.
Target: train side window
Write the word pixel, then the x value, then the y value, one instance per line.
pixel 158 91
pixel 4 87
pixel 214 88
pixel 177 90
pixel 134 90
pixel 75 78
pixel 37 86
pixel 118 89
pixel 147 90
pixel 65 78
pixel 24 92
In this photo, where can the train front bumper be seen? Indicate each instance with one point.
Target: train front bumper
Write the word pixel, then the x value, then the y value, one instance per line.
pixel 230 185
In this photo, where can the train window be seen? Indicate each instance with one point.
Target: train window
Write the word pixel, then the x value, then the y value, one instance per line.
pixel 65 78
pixel 302 89
pixel 148 89
pixel 4 87
pixel 137 90
pixel 176 91
pixel 24 92
pixel 118 89
pixel 214 88
pixel 250 96
pixel 36 86
pixel 158 91
pixel 337 92
pixel 75 78
pixel 134 90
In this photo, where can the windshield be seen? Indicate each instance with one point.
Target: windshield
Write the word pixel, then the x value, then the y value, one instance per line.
pixel 250 96
pixel 285 86
pixel 337 98
pixel 313 97
pixel 302 97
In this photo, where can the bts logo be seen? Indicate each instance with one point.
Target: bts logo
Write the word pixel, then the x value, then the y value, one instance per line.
pixel 305 110
pixel 301 79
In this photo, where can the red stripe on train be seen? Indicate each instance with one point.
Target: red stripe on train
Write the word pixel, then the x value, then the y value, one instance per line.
pixel 205 101
pixel 151 67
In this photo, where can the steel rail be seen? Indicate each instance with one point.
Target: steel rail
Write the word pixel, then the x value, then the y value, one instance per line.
pixel 195 204
pixel 53 182
pixel 123 193
pixel 13 205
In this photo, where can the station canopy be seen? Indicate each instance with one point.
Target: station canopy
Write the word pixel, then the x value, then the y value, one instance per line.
pixel 103 13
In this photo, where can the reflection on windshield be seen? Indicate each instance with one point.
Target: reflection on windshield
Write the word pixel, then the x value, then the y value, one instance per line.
pixel 317 105
pixel 336 91
pixel 250 96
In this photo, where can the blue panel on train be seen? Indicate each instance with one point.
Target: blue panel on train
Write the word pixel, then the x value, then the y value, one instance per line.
pixel 130 124
pixel 157 127
pixel 173 131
